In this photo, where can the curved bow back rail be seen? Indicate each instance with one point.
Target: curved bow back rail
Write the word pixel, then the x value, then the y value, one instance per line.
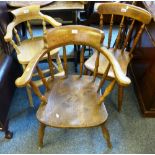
pixel 126 11
pixel 79 35
pixel 26 14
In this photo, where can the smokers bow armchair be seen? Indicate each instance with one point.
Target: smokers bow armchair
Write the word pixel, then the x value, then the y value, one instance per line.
pixel 72 101
pixel 26 49
pixel 133 21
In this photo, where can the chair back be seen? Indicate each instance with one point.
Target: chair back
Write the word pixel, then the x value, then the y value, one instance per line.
pixel 76 35
pixel 25 15
pixel 130 15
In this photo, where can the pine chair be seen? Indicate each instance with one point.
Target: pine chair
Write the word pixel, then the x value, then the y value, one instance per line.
pixel 72 101
pixel 132 16
pixel 28 48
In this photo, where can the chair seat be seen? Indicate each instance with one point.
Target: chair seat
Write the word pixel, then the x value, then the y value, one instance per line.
pixel 123 59
pixel 72 102
pixel 29 48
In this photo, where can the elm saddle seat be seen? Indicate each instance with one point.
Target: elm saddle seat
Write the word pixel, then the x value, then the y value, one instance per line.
pixel 122 59
pixel 131 16
pixel 27 48
pixel 72 101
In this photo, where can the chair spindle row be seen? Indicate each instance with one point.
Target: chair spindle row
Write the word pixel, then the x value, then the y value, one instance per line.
pixel 29 29
pixel 82 60
pixel 17 36
pixel 107 91
pixel 110 30
pixel 65 61
pixel 119 33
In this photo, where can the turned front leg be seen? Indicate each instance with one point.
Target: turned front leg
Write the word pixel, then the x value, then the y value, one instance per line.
pixel 106 135
pixel 41 134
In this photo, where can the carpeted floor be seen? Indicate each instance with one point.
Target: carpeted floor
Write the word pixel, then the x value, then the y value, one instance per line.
pixel 130 132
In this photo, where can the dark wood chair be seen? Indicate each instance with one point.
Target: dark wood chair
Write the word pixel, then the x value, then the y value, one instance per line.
pixel 130 15
pixel 72 101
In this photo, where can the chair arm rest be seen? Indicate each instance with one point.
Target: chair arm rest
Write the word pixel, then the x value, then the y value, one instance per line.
pixel 10 27
pixel 51 20
pixel 27 75
pixel 8 36
pixel 121 78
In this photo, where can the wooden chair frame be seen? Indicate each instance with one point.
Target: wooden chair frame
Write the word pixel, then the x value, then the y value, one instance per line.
pixel 76 35
pixel 127 11
pixel 26 14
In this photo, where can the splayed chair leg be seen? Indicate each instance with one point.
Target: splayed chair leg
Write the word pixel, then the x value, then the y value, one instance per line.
pixel 106 135
pixel 85 71
pixel 120 97
pixel 29 94
pixel 41 134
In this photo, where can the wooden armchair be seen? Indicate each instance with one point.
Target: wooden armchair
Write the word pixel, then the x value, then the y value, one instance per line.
pixel 72 101
pixel 131 15
pixel 28 48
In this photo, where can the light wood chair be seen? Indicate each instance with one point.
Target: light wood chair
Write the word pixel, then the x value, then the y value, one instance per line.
pixel 73 101
pixel 131 14
pixel 28 48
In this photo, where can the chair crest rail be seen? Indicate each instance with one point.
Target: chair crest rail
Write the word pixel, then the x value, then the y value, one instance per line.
pixel 30 13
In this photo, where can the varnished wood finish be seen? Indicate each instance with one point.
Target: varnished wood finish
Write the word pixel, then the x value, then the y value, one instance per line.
pixel 29 29
pixel 120 97
pixel 50 66
pixel 65 60
pixel 67 108
pixel 29 91
pixel 137 38
pixel 37 92
pixel 127 10
pixel 27 49
pixel 82 60
pixel 107 91
pixel 72 102
pixel 101 22
pixel 119 34
pixel 110 30
pixel 27 13
pixel 123 56
pixel 104 77
pixel 17 4
pixel 128 35
pixel 14 46
pixel 29 95
pixel 86 35
pixel 96 65
pixel 41 132
pixel 106 135
pixel 123 60
pixel 42 77
pixel 17 36
pixel 85 71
